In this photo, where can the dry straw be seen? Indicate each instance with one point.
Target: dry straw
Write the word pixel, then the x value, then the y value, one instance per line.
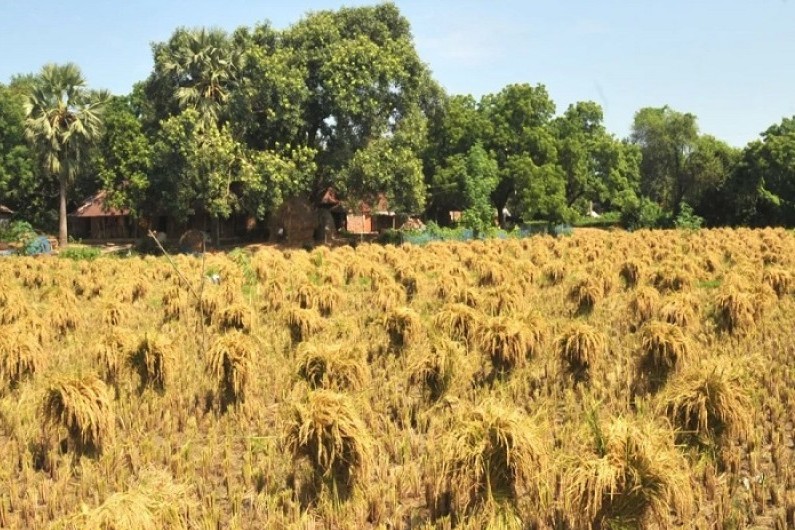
pixel 230 362
pixel 404 327
pixel 709 403
pixel 581 347
pixel 631 477
pixel 154 360
pixel 326 430
pixel 83 407
pixel 21 356
pixel 332 366
pixel 435 368
pixel 509 343
pixel 491 455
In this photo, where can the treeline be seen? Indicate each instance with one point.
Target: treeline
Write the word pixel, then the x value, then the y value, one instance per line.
pixel 239 122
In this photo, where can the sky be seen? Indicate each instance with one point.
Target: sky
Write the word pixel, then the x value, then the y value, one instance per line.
pixel 729 62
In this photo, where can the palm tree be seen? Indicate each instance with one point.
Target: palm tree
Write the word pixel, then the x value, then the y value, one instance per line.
pixel 62 119
pixel 204 64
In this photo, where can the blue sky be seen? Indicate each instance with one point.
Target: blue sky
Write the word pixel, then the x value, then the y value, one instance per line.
pixel 730 62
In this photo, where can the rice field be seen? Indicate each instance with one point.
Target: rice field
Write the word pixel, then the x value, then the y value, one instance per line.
pixel 605 380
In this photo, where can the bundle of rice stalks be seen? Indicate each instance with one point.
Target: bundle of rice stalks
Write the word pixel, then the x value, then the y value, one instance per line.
pixel 303 323
pixel 458 321
pixel 448 285
pixel 632 476
pixel 323 298
pixel 468 296
pixel 239 316
pixel 154 502
pixel 113 313
pixel 508 343
pixel 273 296
pixel 404 327
pixel 230 361
pixel 736 311
pixel 663 350
pixel 491 274
pixel 111 350
pixel 680 310
pixel 326 430
pixel 21 356
pixel 83 407
pixel 644 303
pixel 87 286
pixel 555 272
pixel 389 295
pixel 176 304
pixel 63 318
pixel 709 404
pixel 630 272
pixel 14 307
pixel 358 269
pixel 436 369
pixel 492 455
pixel 154 360
pixel 581 347
pixel 672 277
pixel 333 367
pixel 779 279
pixel 586 293
pixel 501 300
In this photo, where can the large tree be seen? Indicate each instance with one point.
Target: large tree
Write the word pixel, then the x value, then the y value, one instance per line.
pixel 597 166
pixel 124 157
pixel 17 170
pixel 63 120
pixel 666 139
pixel 762 189
pixel 521 139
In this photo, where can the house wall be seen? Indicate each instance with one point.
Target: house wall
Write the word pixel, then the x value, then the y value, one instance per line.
pixel 359 224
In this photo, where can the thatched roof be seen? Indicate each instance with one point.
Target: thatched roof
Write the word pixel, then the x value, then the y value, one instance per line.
pixel 95 207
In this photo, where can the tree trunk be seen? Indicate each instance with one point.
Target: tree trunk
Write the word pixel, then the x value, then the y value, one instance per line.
pixel 63 236
pixel 216 232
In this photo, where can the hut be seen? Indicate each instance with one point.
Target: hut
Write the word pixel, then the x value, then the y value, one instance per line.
pixel 363 217
pixel 94 219
pixel 5 215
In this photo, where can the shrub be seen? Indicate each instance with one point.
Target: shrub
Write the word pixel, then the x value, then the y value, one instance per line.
pixel 80 253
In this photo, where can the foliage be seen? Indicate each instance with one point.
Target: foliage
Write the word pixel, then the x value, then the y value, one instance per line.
pixel 687 220
pixel 79 253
